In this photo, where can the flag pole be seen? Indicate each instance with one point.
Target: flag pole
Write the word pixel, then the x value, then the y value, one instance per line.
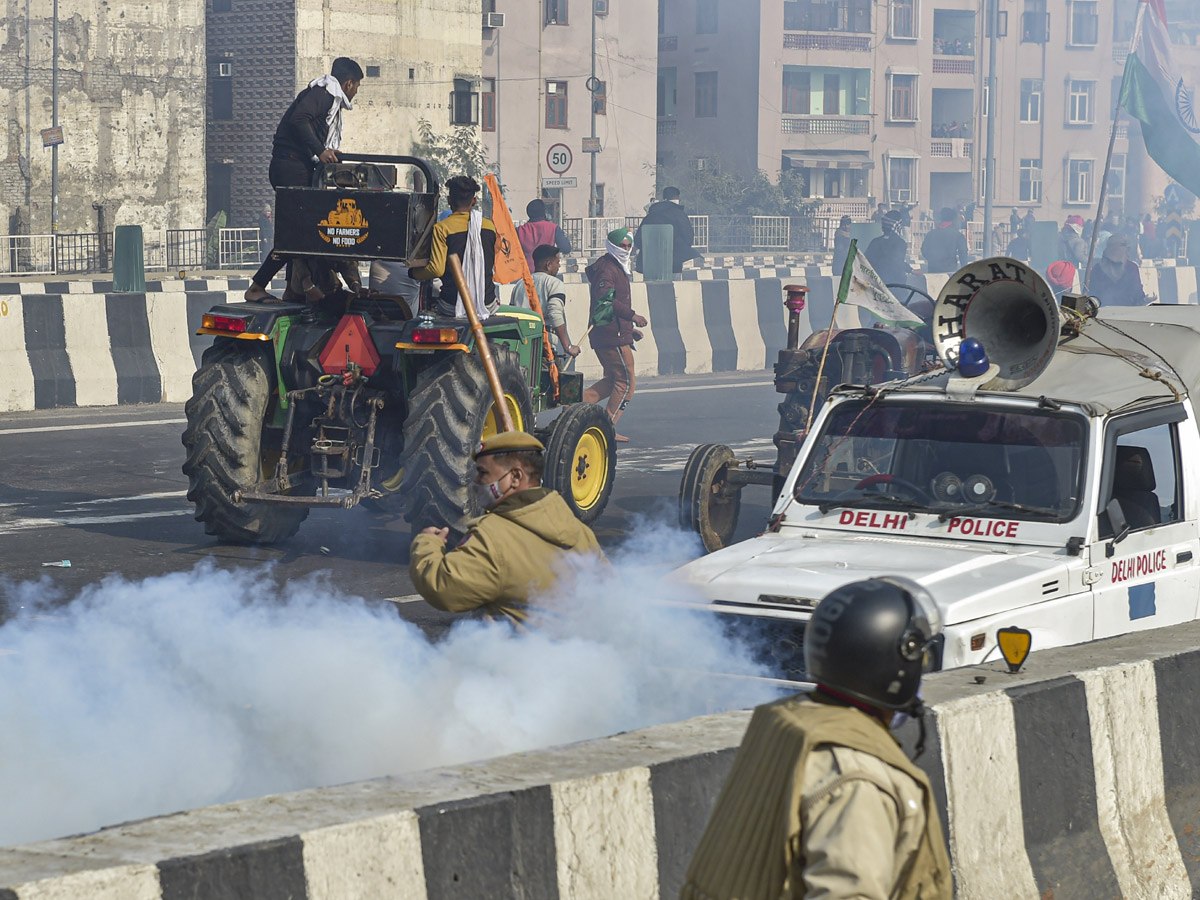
pixel 1086 281
pixel 847 268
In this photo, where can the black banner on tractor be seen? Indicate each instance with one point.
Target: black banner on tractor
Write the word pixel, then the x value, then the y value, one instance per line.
pixel 354 224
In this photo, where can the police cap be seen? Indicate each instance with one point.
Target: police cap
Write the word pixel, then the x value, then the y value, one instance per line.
pixel 509 442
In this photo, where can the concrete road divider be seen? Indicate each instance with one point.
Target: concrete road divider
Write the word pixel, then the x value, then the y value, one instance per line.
pixel 1076 778
pixel 77 343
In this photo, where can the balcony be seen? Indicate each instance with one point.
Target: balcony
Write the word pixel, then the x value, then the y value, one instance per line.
pixel 842 43
pixel 667 125
pixel 1120 53
pixel 825 125
pixel 954 65
pixel 668 43
pixel 951 148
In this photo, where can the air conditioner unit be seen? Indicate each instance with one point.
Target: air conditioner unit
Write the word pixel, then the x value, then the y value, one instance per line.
pixel 225 70
pixel 600 7
pixel 699 164
pixel 493 20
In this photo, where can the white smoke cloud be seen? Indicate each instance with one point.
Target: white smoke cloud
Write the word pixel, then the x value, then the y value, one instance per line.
pixel 188 689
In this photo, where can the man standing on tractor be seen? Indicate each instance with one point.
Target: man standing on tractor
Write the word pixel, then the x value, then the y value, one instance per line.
pixel 309 134
pixel 509 555
pixel 608 280
pixel 552 294
pixel 465 232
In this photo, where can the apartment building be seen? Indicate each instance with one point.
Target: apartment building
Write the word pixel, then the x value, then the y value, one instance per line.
pixel 538 99
pixel 421 59
pixel 886 100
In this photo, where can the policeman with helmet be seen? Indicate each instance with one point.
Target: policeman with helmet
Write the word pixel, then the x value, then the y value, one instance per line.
pixel 509 554
pixel 821 800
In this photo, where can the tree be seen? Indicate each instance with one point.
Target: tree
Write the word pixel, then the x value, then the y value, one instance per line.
pixel 460 152
pixel 721 190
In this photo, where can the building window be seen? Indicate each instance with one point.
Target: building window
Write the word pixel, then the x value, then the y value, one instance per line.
pixel 556 104
pixel 1080 102
pixel 600 99
pixel 662 16
pixel 797 91
pixel 903 22
pixel 556 12
pixel 1079 180
pixel 600 200
pixel 487 113
pixel 1031 181
pixel 1031 99
pixel 222 6
pixel 987 100
pixel 464 104
pixel 1116 182
pixel 1035 23
pixel 827 15
pixel 902 180
pixel 666 91
pixel 1084 24
pixel 222 99
pixel 706 95
pixel 372 71
pixel 902 98
pixel 706 16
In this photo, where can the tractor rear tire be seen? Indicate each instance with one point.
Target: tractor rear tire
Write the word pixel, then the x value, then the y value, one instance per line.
pixel 581 459
pixel 708 504
pixel 231 392
pixel 448 413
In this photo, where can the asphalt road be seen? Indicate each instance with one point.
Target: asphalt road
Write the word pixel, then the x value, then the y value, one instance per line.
pixel 103 489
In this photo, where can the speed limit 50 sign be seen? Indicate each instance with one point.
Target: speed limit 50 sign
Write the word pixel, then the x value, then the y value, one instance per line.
pixel 558 158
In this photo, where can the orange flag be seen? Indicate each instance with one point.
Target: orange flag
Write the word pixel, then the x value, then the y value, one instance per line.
pixel 510 265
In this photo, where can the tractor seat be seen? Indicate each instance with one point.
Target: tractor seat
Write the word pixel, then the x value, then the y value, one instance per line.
pixel 1133 487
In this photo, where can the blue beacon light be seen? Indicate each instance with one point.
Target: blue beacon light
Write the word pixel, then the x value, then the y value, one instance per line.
pixel 972 358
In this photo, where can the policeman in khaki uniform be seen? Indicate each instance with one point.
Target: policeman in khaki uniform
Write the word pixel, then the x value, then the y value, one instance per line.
pixel 821 801
pixel 509 554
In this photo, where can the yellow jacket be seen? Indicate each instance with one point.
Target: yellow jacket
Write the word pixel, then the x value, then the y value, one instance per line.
pixel 508 555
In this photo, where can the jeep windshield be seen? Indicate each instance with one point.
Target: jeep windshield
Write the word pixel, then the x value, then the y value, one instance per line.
pixel 947 460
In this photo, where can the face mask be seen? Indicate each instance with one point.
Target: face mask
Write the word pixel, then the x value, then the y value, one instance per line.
pixel 488 495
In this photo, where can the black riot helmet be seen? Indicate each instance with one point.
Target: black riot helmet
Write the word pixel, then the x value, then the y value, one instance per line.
pixel 867 640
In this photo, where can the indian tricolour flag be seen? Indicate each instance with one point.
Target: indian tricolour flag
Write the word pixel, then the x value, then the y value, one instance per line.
pixel 1155 92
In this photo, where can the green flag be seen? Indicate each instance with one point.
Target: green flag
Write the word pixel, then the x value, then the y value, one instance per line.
pixel 602 311
pixel 862 287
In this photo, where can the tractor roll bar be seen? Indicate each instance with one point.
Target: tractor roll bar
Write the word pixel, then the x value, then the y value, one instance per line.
pixel 431 179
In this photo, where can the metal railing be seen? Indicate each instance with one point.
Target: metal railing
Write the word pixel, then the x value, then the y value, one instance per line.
pixel 771 232
pixel 186 248
pixel 238 248
pixel 825 41
pixel 27 254
pixel 952 65
pixel 824 125
pixel 82 254
pixel 951 148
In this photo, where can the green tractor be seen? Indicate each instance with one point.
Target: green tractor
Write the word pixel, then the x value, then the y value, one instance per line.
pixel 365 400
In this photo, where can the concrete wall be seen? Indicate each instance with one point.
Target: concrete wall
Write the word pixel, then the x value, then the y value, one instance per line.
pixel 1077 778
pixel 77 343
pixel 131 105
pixel 525 54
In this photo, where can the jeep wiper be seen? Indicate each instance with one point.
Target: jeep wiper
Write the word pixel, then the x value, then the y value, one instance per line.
pixel 1043 511
pixel 865 500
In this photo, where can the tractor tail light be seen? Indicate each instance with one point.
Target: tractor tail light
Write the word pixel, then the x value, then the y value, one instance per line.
pixel 224 323
pixel 435 335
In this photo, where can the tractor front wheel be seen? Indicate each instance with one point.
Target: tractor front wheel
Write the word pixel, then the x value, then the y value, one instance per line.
pixel 581 459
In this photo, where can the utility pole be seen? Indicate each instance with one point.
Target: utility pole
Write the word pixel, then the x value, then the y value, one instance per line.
pixel 592 212
pixel 28 118
pixel 54 123
pixel 989 163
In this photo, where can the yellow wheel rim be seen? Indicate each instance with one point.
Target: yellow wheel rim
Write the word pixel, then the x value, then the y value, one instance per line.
pixel 491 427
pixel 589 468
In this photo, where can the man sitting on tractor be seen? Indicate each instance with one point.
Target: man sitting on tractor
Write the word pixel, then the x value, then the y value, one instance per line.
pixel 509 555
pixel 465 232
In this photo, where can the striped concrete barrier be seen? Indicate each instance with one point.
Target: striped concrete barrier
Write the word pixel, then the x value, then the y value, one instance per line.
pixel 1075 779
pixel 77 343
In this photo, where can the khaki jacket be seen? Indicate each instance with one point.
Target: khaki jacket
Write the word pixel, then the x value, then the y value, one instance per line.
pixel 821 802
pixel 508 555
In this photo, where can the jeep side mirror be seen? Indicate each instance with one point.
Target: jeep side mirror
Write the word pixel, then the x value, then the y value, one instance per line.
pixel 1116 518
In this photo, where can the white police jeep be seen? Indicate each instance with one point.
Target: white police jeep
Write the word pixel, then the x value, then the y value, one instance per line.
pixel 1051 482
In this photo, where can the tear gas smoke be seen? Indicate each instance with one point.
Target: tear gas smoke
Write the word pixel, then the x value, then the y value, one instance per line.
pixel 201 687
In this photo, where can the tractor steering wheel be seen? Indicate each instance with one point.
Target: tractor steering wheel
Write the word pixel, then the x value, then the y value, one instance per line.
pixel 906 292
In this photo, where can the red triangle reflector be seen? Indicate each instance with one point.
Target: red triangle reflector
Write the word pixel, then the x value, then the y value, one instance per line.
pixel 350 343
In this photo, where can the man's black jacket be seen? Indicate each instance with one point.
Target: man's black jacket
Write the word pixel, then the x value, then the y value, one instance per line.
pixel 302 130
